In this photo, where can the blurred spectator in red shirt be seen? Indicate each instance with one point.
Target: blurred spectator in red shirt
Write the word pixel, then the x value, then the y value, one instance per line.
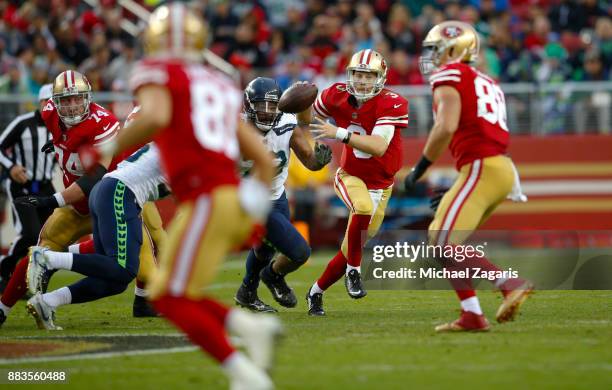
pixel 538 37
pixel 320 37
pixel 403 70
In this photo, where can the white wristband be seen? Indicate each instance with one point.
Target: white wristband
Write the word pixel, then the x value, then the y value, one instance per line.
pixel 60 199
pixel 341 133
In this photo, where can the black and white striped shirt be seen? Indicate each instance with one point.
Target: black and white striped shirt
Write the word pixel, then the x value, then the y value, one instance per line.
pixel 20 143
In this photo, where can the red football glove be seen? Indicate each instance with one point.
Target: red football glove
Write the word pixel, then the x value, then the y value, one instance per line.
pixel 90 157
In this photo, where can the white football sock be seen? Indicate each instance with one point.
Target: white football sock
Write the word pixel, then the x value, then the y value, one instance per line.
pixel 239 321
pixel 471 304
pixel 498 282
pixel 59 260
pixel 140 292
pixel 59 297
pixel 75 248
pixel 5 309
pixel 243 373
pixel 350 267
pixel 315 289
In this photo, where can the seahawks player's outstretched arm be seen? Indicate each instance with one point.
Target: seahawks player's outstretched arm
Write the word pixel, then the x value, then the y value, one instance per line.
pixel 313 159
pixel 71 195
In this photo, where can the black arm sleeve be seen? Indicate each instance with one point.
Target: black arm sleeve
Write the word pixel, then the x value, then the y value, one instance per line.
pixel 163 190
pixel 87 182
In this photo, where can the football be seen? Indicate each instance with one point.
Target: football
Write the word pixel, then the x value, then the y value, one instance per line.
pixel 298 98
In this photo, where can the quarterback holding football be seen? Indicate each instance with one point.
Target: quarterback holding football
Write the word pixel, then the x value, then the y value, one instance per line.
pixel 368 120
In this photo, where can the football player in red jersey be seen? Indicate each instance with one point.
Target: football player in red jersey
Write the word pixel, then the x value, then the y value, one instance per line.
pixel 368 120
pixel 193 114
pixel 470 119
pixel 73 120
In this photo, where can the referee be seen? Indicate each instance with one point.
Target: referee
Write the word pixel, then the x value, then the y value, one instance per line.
pixel 29 173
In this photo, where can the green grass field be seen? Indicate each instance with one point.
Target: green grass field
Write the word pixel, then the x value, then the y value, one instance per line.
pixel 563 339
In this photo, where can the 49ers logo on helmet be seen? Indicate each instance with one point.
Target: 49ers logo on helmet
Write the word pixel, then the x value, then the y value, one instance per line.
pixel 452 32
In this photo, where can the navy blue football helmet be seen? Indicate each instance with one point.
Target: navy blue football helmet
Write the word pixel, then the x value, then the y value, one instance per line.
pixel 261 98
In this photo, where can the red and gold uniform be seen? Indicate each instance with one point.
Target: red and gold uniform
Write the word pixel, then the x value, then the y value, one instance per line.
pixel 68 224
pixel 98 128
pixel 486 175
pixel 199 150
pixel 386 108
pixel 363 181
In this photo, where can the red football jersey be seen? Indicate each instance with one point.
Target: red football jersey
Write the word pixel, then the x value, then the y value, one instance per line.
pixel 482 130
pixel 199 148
pixel 99 127
pixel 386 108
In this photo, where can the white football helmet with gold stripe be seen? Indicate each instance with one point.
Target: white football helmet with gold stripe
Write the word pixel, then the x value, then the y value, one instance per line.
pixel 368 61
pixel 71 96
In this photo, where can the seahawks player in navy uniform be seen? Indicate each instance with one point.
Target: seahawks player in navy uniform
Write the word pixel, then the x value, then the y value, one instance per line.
pixel 280 133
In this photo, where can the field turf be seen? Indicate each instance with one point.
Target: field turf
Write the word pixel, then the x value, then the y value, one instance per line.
pixel 563 339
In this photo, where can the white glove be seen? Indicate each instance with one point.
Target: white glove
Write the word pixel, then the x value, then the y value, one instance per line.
pixel 254 198
pixel 516 195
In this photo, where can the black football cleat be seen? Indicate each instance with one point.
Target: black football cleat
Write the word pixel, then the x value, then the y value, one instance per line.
pixel 282 293
pixel 248 299
pixel 143 308
pixel 354 288
pixel 315 304
pixel 44 281
pixel 3 282
pixel 2 318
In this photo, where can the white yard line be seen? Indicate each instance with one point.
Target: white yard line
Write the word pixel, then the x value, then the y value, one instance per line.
pixel 97 355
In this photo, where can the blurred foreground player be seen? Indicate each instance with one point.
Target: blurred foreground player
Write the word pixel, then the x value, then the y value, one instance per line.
pixel 470 119
pixel 280 134
pixel 369 119
pixel 193 114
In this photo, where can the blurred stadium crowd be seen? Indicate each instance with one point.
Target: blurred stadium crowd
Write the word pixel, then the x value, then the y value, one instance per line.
pixel 543 41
